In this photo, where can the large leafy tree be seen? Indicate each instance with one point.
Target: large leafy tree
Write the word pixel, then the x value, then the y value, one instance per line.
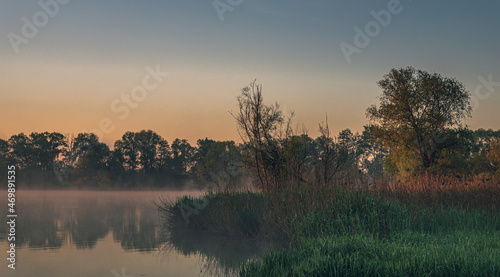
pixel 36 155
pixel 150 146
pixel 163 156
pixel 214 157
pixel 145 150
pixel 183 157
pixel 88 147
pixel 37 150
pixel 92 158
pixel 416 111
pixel 20 147
pixel 47 148
pixel 128 148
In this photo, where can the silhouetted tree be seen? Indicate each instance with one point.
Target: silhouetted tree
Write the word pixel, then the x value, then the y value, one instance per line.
pixel 115 166
pixel 128 147
pixel 88 146
pixel 182 159
pixel 372 154
pixel 213 157
pixel 151 148
pixel 297 157
pixel 416 109
pixel 4 158
pixel 21 151
pixel 164 157
pixel 336 158
pixel 259 126
pixel 145 153
pixel 46 148
pixel 37 154
pixel 91 160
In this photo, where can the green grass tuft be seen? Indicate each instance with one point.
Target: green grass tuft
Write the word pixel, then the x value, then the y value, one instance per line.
pixel 406 254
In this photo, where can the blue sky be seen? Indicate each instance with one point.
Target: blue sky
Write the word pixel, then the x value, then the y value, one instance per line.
pixel 91 52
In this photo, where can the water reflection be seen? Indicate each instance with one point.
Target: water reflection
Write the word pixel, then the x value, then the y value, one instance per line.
pixel 40 229
pixel 121 229
pixel 83 220
pixel 220 255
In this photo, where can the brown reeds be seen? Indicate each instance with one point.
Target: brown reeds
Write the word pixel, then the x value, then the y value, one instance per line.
pixel 434 191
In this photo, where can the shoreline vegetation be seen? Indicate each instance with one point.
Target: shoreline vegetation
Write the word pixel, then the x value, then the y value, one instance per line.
pixel 430 225
pixel 412 196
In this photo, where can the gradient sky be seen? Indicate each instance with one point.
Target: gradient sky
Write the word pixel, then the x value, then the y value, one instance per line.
pixel 91 52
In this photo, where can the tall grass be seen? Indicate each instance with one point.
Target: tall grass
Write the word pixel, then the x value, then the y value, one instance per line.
pixel 438 222
pixel 229 213
pixel 367 212
pixel 406 254
pixel 479 192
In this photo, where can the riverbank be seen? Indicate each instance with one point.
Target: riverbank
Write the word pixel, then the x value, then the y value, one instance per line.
pixel 440 230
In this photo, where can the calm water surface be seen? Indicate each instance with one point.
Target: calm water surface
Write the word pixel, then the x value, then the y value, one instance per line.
pixel 115 234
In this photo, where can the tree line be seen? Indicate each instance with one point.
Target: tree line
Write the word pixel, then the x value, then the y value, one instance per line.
pixel 416 128
pixel 138 159
pixel 146 160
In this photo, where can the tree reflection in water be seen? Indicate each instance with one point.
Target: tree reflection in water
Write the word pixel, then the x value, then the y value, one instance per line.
pixel 219 255
pixel 50 220
pixel 84 218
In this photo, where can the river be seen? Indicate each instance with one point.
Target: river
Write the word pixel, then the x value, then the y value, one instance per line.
pixel 111 233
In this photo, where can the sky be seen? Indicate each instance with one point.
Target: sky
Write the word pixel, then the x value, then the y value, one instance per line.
pixel 177 67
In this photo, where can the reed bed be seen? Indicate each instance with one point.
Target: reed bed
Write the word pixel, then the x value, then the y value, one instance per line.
pixel 424 225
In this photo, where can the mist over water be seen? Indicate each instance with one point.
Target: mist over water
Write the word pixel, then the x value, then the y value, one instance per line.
pixel 109 233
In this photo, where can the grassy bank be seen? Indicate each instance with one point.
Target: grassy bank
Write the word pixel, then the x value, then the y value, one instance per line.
pixel 458 253
pixel 442 229
pixel 233 214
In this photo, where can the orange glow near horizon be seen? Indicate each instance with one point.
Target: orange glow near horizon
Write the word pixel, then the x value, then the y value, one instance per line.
pixel 77 97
